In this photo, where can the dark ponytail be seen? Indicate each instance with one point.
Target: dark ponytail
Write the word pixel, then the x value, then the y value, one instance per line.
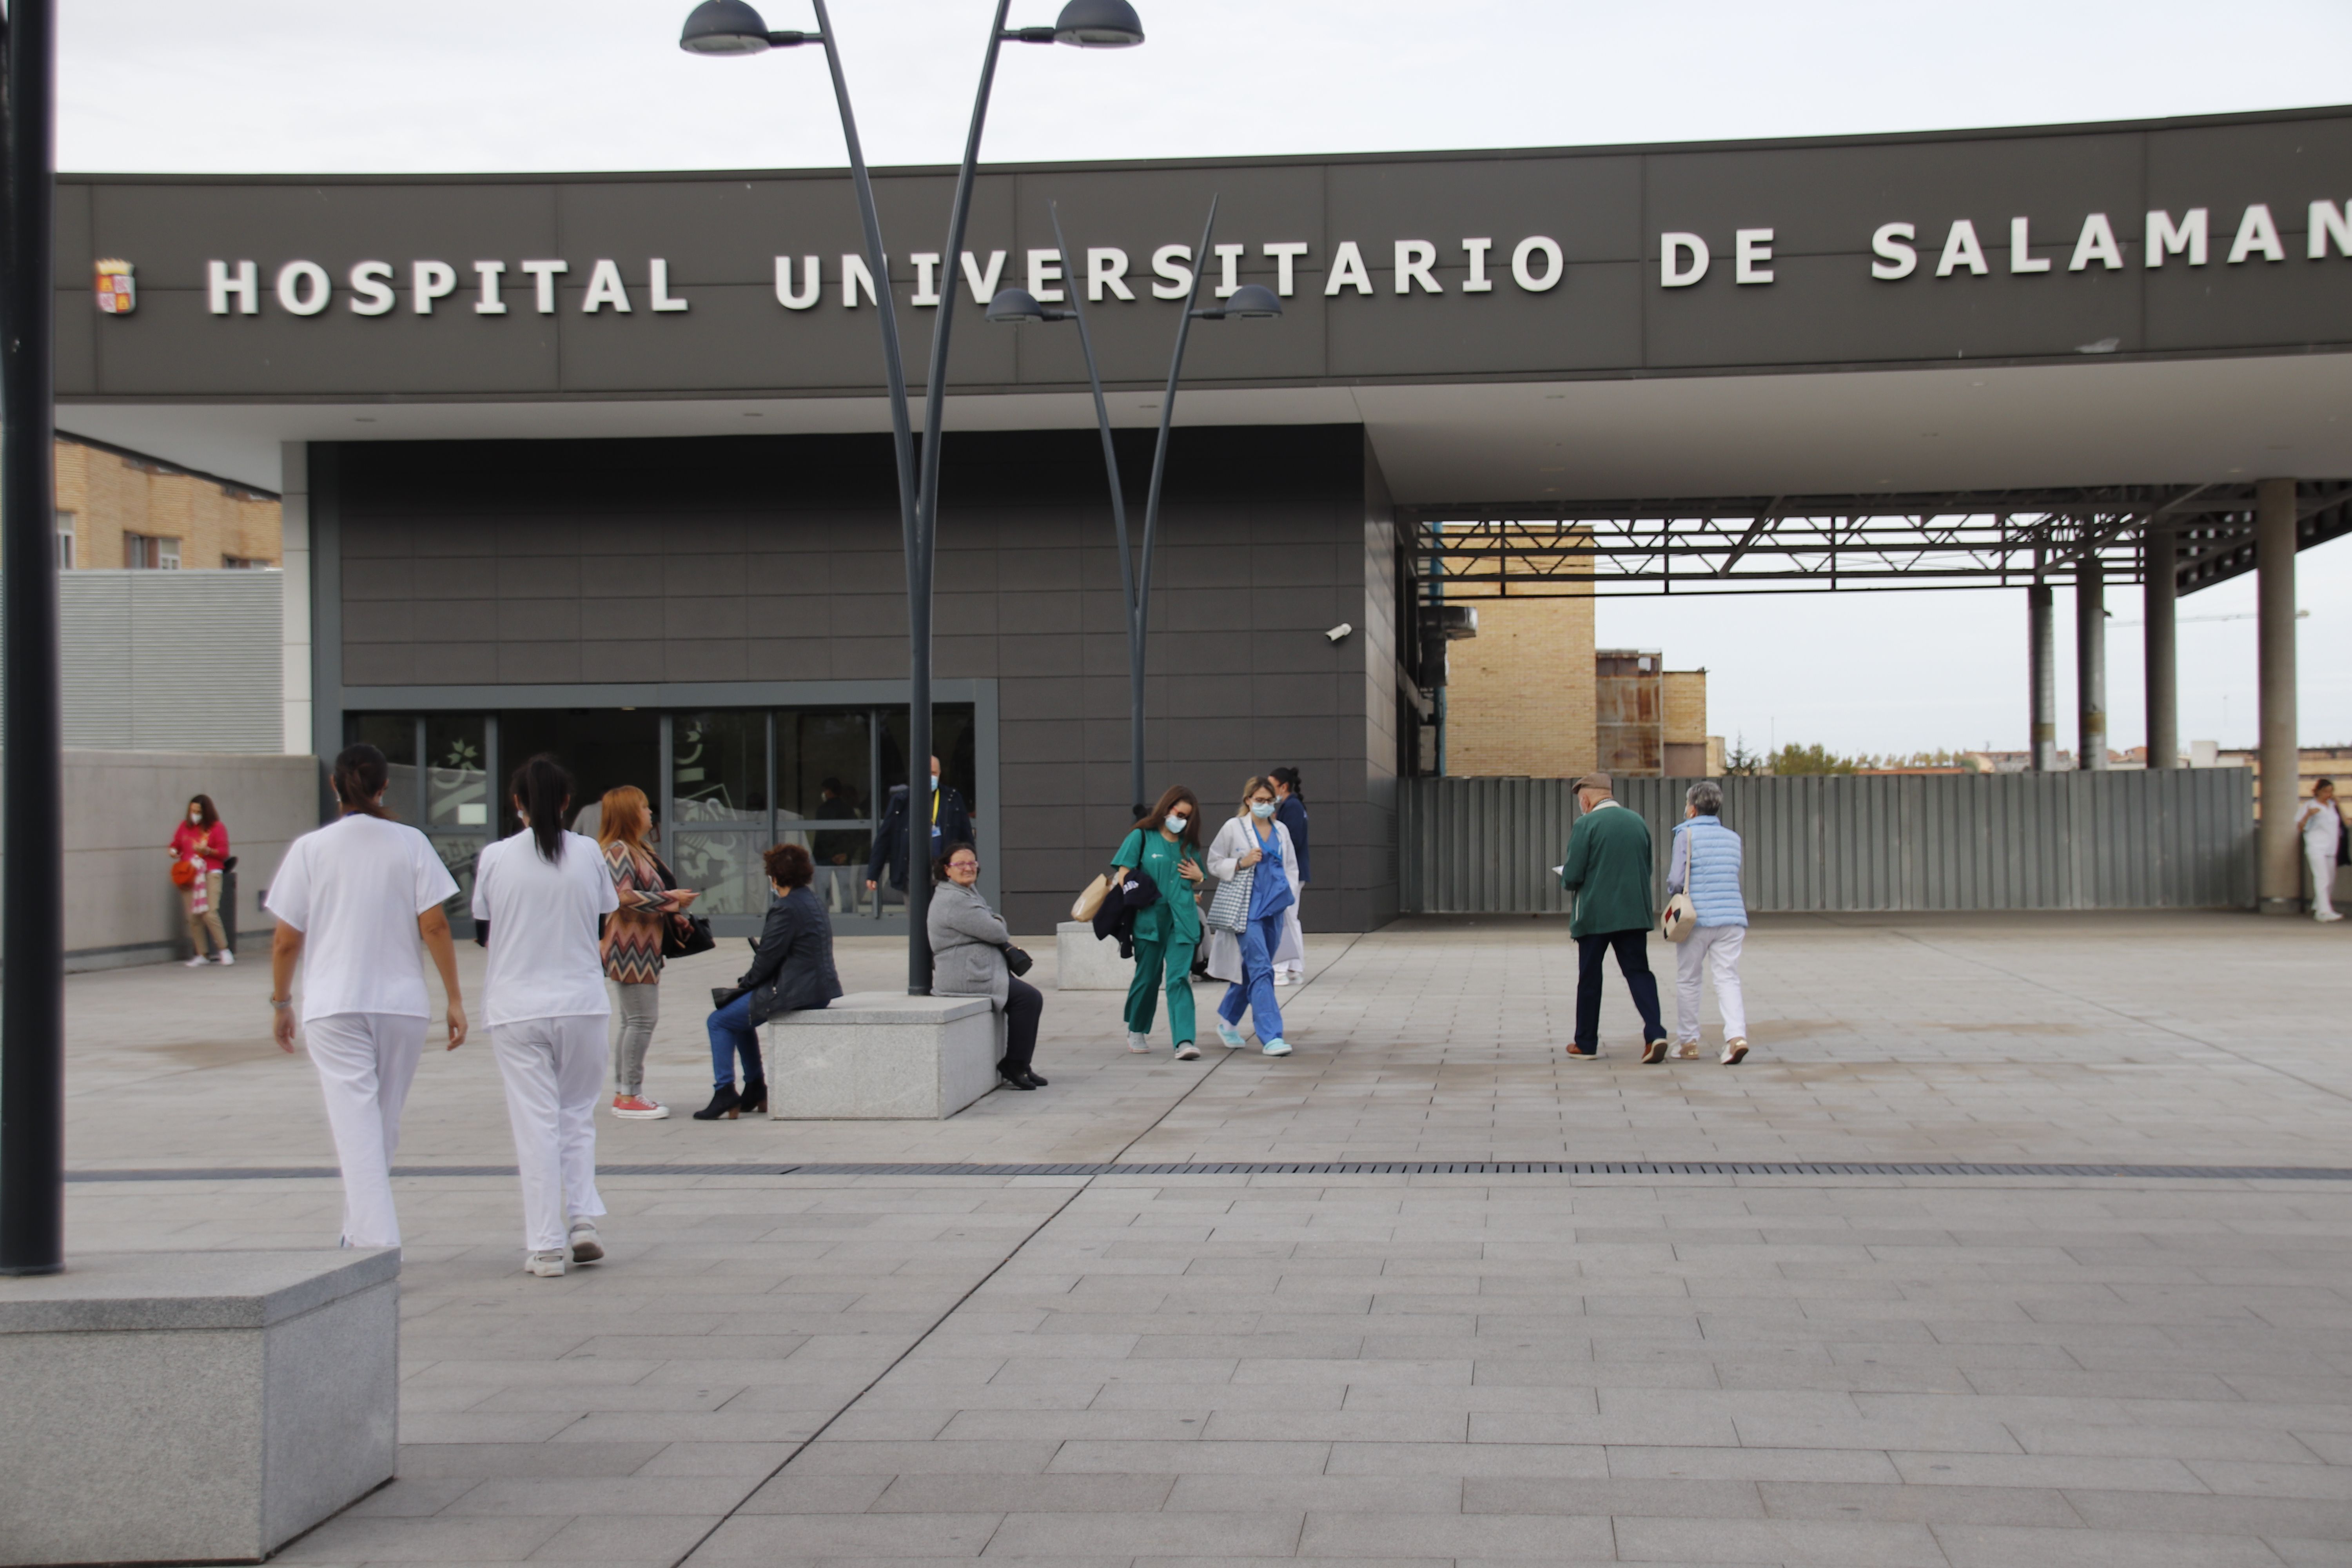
pixel 541 789
pixel 361 772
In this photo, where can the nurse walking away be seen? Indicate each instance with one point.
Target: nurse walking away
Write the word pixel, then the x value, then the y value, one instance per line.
pixel 1255 842
pixel 542 892
pixel 353 900
pixel 1704 864
pixel 1607 867
pixel 1165 846
pixel 1290 810
pixel 2322 826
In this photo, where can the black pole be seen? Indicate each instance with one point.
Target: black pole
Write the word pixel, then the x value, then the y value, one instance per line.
pixel 911 531
pixel 923 538
pixel 1117 508
pixel 32 935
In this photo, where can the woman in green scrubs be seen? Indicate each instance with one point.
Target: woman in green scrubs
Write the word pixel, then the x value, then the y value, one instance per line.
pixel 1166 847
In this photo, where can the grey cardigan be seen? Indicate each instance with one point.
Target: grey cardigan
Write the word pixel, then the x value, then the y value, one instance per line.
pixel 967 946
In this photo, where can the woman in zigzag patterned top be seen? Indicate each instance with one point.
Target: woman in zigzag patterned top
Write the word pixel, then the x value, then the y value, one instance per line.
pixel 632 943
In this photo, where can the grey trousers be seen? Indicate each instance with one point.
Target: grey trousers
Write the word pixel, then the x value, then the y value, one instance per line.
pixel 635 1008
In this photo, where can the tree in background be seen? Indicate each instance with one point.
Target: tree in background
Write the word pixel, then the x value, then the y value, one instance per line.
pixel 1739 761
pixel 1793 759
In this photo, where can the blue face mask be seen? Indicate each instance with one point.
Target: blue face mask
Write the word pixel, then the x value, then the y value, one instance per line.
pixel 935 783
pixel 1261 809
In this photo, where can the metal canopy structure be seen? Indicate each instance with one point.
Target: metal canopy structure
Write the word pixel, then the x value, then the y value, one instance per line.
pixel 1823 543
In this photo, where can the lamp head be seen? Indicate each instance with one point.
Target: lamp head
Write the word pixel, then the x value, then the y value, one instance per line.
pixel 1252 299
pixel 723 28
pixel 1015 305
pixel 1098 25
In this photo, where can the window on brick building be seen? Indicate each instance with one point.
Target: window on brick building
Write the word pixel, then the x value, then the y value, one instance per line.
pixel 151 552
pixel 65 541
pixel 246 563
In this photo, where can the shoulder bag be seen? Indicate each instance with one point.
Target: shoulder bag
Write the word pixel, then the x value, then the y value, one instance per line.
pixel 1091 898
pixel 1017 960
pixel 1229 911
pixel 683 935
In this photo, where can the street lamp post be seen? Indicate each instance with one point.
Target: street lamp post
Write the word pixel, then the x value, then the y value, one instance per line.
pixel 733 27
pixel 1251 301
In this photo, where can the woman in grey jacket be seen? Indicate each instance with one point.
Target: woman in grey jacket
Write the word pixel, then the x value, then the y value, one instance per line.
pixel 968 943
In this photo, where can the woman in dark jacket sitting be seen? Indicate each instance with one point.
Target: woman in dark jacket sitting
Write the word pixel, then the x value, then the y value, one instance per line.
pixel 792 970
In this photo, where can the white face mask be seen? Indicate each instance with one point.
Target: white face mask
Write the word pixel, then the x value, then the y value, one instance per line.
pixel 198 817
pixel 1261 809
pixel 1176 824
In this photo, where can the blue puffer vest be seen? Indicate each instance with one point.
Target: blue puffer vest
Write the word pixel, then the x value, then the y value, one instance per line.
pixel 1714 884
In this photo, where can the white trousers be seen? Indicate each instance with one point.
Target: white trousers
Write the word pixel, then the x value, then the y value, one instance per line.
pixel 1295 968
pixel 366 1062
pixel 1710 949
pixel 2323 877
pixel 554 1072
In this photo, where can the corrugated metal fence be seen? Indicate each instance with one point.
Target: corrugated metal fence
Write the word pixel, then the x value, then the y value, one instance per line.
pixel 172 661
pixel 2174 839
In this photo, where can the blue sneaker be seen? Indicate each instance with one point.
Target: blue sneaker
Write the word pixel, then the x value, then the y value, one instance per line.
pixel 1277 1047
pixel 1231 1036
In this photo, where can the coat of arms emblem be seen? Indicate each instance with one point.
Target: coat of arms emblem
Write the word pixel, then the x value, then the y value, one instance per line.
pixel 116 292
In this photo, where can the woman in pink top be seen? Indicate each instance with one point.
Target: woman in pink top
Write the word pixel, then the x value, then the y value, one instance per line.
pixel 202 842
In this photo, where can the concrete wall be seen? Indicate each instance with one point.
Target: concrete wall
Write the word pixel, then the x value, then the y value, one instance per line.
pixel 119 904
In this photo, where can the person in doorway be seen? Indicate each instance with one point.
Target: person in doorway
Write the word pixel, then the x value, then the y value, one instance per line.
pixel 836 852
pixel 791 970
pixel 632 943
pixel 1255 841
pixel 1704 864
pixel 1607 867
pixel 968 959
pixel 199 855
pixel 542 891
pixel 950 823
pixel 2321 823
pixel 351 900
pixel 1290 810
pixel 1166 847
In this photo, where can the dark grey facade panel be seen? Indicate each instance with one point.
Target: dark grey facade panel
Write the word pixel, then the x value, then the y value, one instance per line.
pixel 1607 212
pixel 583 568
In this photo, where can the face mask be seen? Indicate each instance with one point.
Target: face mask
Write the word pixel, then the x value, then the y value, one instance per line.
pixel 198 817
pixel 1261 809
pixel 935 782
pixel 1176 824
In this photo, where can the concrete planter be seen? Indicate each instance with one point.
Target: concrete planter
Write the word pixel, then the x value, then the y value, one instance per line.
pixel 878 1055
pixel 1085 962
pixel 193 1407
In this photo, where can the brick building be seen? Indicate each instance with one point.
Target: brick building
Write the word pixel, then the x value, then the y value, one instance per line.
pixel 122 508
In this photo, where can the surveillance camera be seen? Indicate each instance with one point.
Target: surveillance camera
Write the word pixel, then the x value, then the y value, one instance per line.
pixel 1339 634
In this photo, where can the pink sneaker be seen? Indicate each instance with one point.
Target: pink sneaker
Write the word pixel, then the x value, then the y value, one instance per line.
pixel 637 1108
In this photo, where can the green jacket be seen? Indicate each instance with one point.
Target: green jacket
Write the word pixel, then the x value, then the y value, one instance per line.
pixel 1608 868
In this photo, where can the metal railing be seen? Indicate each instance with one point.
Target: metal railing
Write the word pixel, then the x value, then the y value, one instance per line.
pixel 2173 838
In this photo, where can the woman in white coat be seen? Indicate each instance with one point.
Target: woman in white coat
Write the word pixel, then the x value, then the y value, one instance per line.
pixel 542 892
pixel 1254 841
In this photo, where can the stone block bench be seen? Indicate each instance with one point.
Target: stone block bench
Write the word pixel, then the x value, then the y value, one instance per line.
pixel 193 1407
pixel 881 1055
pixel 1084 963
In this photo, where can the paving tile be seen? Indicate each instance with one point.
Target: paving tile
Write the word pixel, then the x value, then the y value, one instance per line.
pixel 1995 1546
pixel 1458 1536
pixel 1817 1545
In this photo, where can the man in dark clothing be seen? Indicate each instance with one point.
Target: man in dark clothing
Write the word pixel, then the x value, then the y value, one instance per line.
pixel 1607 867
pixel 950 823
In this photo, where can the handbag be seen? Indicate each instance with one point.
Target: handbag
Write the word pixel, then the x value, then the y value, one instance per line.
pixel 1092 899
pixel 183 873
pixel 683 935
pixel 1678 920
pixel 1016 960
pixel 1229 911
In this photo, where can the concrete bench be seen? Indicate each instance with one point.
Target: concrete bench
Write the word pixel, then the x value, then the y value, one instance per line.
pixel 1082 962
pixel 882 1055
pixel 193 1407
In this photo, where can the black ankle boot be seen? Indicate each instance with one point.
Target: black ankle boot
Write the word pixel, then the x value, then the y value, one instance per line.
pixel 1013 1076
pixel 724 1102
pixel 753 1097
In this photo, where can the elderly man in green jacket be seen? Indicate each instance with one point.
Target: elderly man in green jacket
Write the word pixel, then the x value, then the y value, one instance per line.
pixel 1608 868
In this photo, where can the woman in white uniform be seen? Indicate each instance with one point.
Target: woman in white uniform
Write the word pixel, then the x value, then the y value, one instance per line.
pixel 353 900
pixel 2321 825
pixel 542 892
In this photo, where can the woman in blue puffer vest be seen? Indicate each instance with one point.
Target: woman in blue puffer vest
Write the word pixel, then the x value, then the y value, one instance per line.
pixel 1706 865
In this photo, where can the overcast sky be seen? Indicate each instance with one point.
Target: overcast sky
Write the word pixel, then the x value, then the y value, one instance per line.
pixel 250 86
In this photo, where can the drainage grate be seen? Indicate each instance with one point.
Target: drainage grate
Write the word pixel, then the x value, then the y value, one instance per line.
pixel 1324 1168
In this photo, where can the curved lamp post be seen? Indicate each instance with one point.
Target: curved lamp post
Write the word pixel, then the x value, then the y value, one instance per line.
pixel 733 27
pixel 1250 302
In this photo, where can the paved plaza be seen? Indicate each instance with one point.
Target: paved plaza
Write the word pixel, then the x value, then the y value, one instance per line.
pixel 1385 1370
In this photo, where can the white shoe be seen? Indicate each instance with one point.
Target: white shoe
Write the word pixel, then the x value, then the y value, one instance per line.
pixel 1188 1052
pixel 546 1265
pixel 1734 1052
pixel 1277 1047
pixel 1286 980
pixel 197 963
pixel 2330 915
pixel 1232 1036
pixel 1687 1051
pixel 1137 1042
pixel 585 1247
pixel 226 958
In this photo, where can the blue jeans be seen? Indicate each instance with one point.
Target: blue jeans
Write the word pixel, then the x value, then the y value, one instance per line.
pixel 1254 991
pixel 732 1034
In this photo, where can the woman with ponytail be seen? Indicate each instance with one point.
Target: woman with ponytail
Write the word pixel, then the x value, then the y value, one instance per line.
pixel 351 900
pixel 542 892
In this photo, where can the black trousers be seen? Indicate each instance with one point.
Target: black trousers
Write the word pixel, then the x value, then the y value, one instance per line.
pixel 1023 1006
pixel 1632 949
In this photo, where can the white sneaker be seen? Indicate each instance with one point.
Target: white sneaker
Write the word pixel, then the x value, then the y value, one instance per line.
pixel 1137 1042
pixel 1687 1051
pixel 1277 1047
pixel 2330 915
pixel 585 1247
pixel 1281 979
pixel 1734 1052
pixel 546 1265
pixel 1188 1052
pixel 1232 1036
pixel 226 958
pixel 197 963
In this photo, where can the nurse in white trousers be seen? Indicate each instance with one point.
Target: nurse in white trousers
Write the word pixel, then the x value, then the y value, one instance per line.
pixel 541 893
pixel 353 901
